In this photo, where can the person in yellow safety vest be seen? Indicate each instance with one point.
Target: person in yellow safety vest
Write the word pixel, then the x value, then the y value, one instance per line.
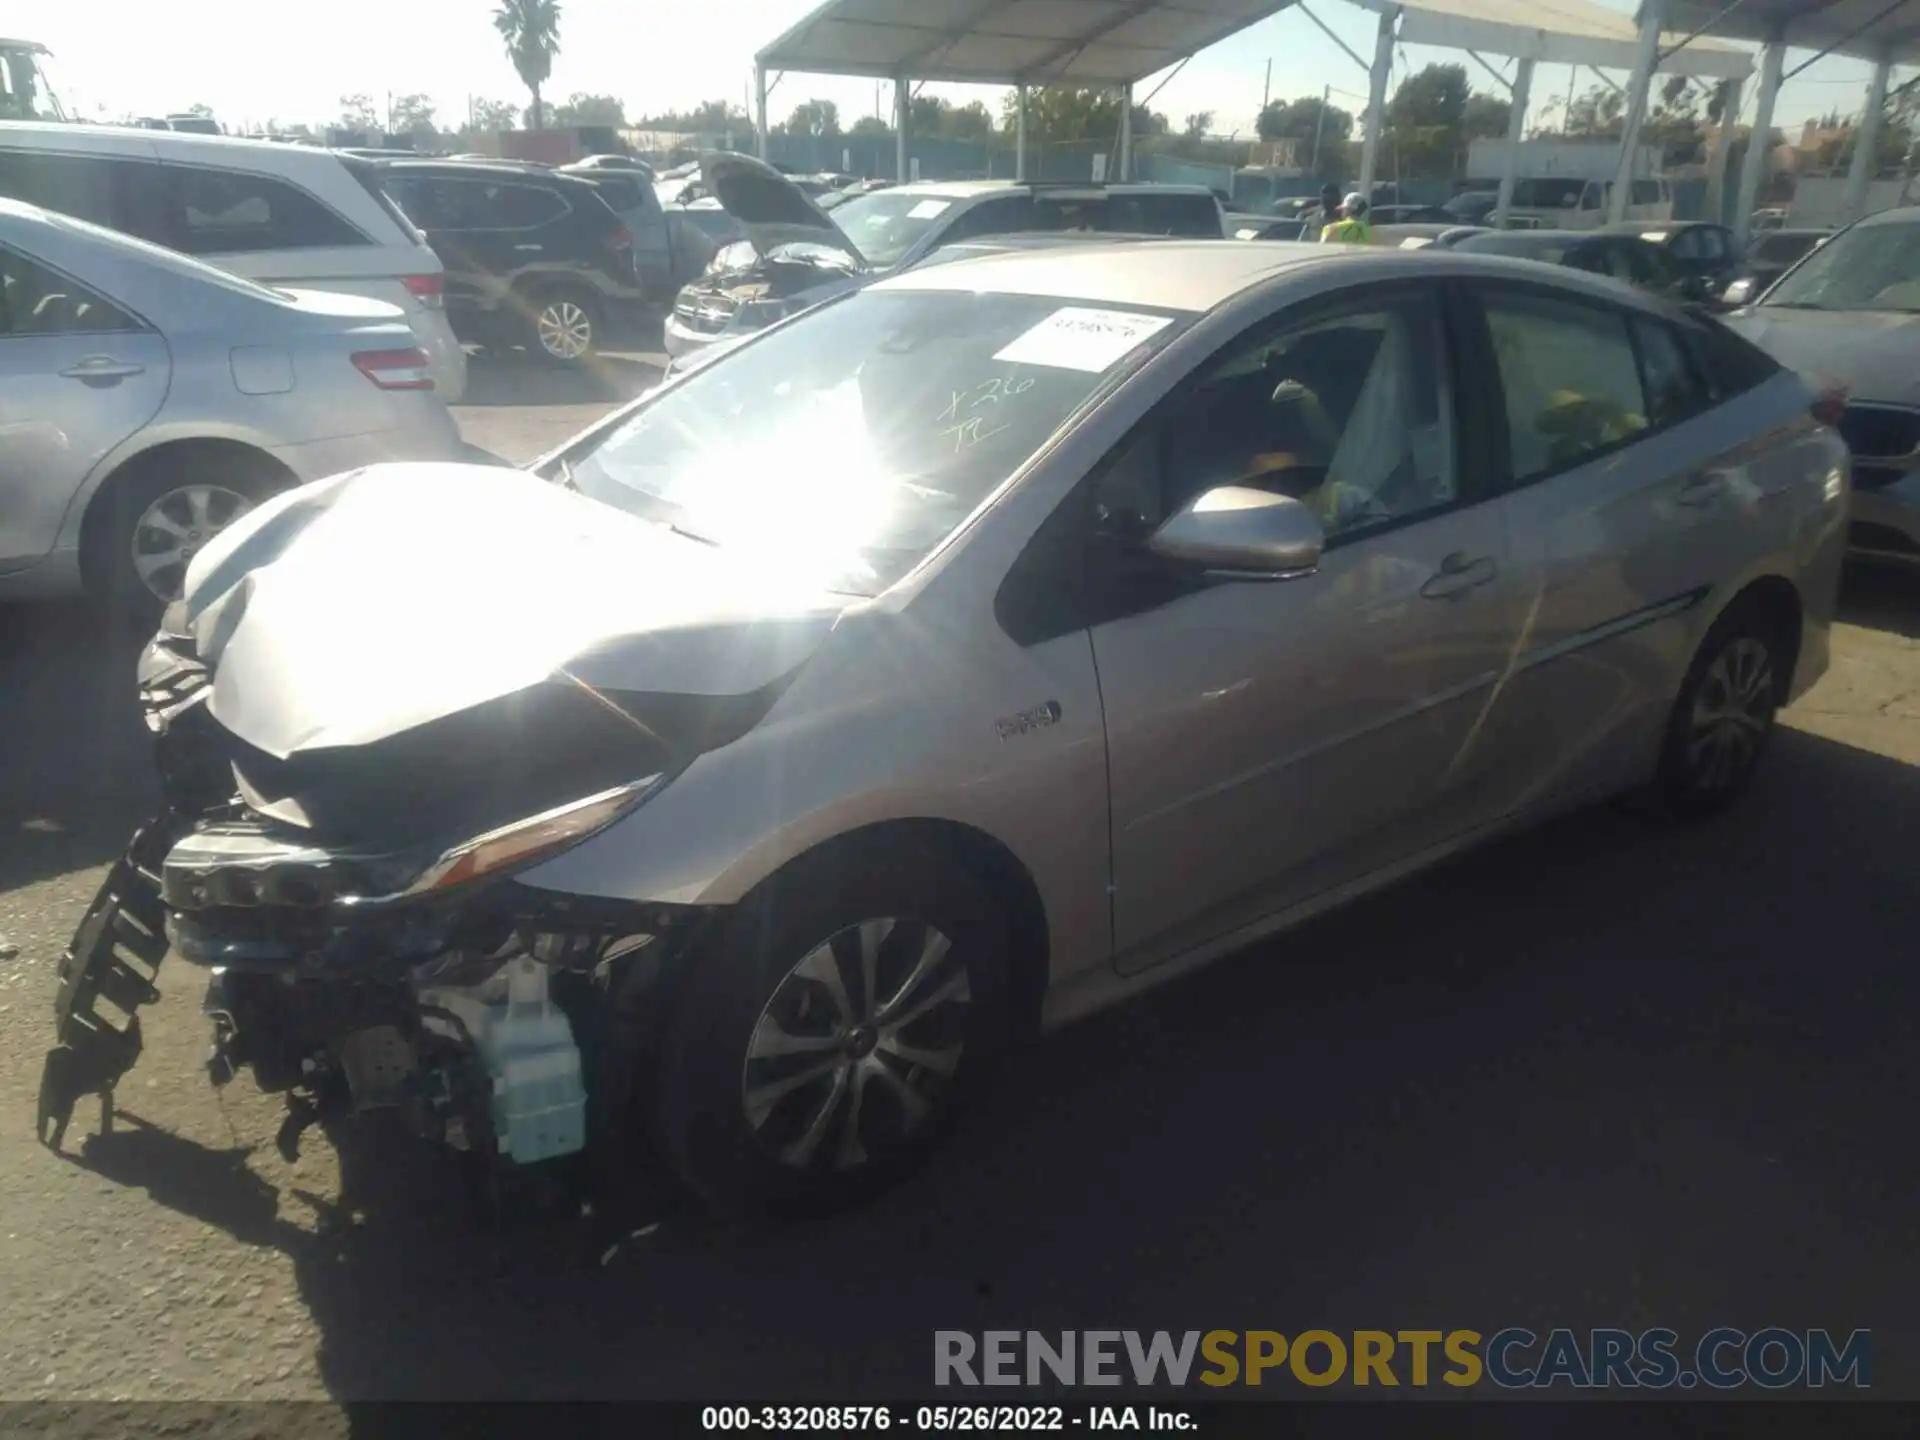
pixel 1353 228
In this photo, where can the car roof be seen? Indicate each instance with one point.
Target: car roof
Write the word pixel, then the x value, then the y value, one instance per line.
pixel 1191 275
pixel 971 189
pixel 1906 216
pixel 1648 227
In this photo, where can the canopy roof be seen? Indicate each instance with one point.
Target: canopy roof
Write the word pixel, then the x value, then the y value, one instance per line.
pixel 1119 42
pixel 1865 29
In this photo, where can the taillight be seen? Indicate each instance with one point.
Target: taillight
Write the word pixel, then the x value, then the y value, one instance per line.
pixel 395 369
pixel 429 290
pixel 1831 405
pixel 621 238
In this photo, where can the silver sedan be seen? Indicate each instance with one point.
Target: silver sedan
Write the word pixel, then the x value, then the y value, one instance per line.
pixel 147 401
pixel 950 660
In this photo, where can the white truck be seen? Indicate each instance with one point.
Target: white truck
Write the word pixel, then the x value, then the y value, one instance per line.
pixel 1566 184
pixel 24 92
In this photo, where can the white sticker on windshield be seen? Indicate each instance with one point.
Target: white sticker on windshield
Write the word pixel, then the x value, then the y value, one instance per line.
pixel 1078 338
pixel 927 209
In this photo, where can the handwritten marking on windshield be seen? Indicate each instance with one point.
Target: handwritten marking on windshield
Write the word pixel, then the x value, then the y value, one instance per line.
pixel 970 432
pixel 987 392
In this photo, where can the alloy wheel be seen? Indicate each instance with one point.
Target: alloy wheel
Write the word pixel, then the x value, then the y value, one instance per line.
pixel 1732 712
pixel 856 1045
pixel 175 528
pixel 565 330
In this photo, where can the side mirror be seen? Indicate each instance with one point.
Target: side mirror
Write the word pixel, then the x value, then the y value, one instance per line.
pixel 1244 533
pixel 1740 292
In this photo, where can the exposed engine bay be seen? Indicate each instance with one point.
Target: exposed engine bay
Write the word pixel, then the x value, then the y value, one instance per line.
pixel 353 799
pixel 336 973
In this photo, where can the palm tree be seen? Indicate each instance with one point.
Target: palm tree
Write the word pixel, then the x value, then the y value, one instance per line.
pixel 531 29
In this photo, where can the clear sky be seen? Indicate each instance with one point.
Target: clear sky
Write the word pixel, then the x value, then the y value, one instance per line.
pixel 253 62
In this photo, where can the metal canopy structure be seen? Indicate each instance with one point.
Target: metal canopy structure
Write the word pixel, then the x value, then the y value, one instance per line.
pixel 1886 32
pixel 1120 42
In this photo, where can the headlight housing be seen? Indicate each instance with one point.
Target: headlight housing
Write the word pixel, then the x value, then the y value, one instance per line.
pixel 737 256
pixel 534 838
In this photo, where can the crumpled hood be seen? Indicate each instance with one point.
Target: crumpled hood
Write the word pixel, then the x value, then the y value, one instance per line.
pixel 1875 354
pixel 351 609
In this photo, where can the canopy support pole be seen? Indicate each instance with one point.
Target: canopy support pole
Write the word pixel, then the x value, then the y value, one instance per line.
pixel 1516 129
pixel 1020 131
pixel 1126 133
pixel 1866 142
pixel 1723 154
pixel 1639 84
pixel 902 118
pixel 760 111
pixel 1753 169
pixel 1377 99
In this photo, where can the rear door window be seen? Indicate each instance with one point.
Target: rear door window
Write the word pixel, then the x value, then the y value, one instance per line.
pixel 527 207
pixel 1674 392
pixel 35 300
pixel 225 212
pixel 1569 377
pixel 1002 215
pixel 1728 364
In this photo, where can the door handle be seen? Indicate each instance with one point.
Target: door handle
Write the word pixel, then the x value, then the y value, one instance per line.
pixel 1459 574
pixel 1703 490
pixel 102 367
pixel 535 248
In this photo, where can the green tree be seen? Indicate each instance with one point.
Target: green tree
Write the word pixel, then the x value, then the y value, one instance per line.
pixel 1198 124
pixel 972 121
pixel 489 116
pixel 357 113
pixel 1435 97
pixel 412 115
pixel 1067 114
pixel 871 125
pixel 531 30
pixel 1300 119
pixel 1485 117
pixel 815 117
pixel 584 109
pixel 204 112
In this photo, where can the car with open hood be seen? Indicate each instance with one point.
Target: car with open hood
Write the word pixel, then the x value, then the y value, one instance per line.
pixel 969 652
pixel 794 254
pixel 1847 317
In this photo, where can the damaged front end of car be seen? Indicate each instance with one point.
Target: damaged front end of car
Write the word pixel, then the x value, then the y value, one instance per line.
pixel 365 744
pixel 348 969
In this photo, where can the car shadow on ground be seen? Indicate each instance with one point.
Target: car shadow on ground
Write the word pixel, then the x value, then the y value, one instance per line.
pixel 1882 597
pixel 76 761
pixel 512 377
pixel 1603 1073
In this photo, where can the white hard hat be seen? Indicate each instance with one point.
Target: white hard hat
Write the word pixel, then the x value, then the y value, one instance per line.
pixel 1354 204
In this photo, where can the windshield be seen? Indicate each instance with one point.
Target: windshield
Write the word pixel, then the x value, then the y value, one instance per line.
pixel 855 439
pixel 24 92
pixel 1870 267
pixel 888 223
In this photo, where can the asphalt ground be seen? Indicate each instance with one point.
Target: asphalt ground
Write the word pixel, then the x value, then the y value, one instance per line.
pixel 1603 1073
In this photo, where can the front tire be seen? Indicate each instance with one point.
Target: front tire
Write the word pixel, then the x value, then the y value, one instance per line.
pixel 830 1033
pixel 157 520
pixel 1721 723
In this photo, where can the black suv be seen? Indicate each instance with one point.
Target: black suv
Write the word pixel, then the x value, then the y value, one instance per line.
pixel 533 258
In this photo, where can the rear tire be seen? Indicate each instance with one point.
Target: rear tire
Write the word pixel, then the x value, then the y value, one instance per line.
pixel 830 1032
pixel 564 326
pixel 155 520
pixel 1724 716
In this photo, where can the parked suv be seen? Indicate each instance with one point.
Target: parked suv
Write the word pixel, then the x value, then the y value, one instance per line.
pixel 795 254
pixel 668 247
pixel 533 257
pixel 288 216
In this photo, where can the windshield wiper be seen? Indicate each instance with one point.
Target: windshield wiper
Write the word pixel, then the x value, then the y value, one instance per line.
pixel 690 535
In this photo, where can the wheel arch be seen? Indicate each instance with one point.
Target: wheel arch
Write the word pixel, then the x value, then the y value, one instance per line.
pixel 1778 599
pixel 204 449
pixel 982 857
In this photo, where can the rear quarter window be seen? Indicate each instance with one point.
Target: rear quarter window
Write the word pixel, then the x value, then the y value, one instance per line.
pixel 1728 364
pixel 1189 215
pixel 222 212
pixel 84 186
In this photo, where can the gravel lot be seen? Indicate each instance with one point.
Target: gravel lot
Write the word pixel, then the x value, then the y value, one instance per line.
pixel 1604 1073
